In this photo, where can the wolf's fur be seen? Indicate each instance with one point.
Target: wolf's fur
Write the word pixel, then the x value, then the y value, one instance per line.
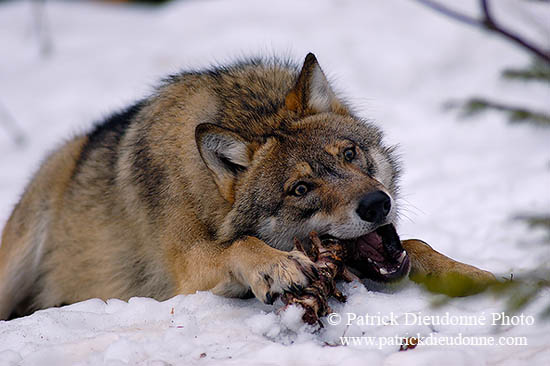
pixel 192 189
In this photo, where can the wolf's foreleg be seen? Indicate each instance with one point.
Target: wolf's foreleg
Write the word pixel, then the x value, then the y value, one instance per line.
pixel 246 264
pixel 442 274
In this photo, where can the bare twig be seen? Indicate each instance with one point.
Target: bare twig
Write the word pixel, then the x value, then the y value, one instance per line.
pixel 487 22
pixel 9 124
pixel 450 12
pixel 41 27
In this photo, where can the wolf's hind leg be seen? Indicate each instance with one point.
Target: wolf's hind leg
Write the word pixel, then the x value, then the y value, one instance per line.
pixel 442 274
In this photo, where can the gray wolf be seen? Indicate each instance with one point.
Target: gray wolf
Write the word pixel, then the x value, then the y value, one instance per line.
pixel 203 186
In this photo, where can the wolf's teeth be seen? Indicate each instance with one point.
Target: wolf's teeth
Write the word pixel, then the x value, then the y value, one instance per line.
pixel 383 271
pixel 402 256
pixel 370 260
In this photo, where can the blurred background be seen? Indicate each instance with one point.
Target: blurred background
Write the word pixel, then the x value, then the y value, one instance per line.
pixel 463 91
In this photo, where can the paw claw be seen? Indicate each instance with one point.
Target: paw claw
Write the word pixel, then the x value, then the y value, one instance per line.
pixel 296 289
pixel 315 273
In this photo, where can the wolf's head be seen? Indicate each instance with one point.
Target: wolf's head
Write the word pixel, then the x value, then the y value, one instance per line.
pixel 323 170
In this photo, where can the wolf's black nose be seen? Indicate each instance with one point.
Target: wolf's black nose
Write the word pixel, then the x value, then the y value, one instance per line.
pixel 374 207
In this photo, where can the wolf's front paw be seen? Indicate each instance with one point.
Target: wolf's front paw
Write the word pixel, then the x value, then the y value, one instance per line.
pixel 284 272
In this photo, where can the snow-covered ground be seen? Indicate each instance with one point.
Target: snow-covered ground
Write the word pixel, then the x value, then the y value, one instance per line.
pixel 396 61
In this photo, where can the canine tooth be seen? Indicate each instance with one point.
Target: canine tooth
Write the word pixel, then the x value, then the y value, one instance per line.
pixel 402 256
pixel 370 261
pixel 383 271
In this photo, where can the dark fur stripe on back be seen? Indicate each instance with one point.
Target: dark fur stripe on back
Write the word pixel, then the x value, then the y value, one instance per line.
pixel 108 133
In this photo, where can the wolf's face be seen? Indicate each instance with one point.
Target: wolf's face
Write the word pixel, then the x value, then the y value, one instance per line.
pixel 327 172
pixel 321 176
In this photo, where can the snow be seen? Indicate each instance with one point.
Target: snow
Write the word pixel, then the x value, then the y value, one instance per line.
pixel 397 62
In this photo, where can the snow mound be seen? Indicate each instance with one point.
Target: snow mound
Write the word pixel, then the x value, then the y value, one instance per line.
pixel 398 62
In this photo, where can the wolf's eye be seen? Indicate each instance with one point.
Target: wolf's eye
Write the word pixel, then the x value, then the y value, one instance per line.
pixel 300 190
pixel 349 154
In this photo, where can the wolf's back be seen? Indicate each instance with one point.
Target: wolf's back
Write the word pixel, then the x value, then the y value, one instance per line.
pixel 87 224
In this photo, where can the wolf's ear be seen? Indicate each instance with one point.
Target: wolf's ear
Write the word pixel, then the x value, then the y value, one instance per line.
pixel 312 93
pixel 225 153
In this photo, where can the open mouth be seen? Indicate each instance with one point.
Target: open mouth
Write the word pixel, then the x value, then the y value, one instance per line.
pixel 378 255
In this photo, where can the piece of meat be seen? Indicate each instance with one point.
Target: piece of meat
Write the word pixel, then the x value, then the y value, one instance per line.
pixel 329 257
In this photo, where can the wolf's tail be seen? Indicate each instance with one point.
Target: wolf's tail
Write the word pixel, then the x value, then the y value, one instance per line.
pixel 20 254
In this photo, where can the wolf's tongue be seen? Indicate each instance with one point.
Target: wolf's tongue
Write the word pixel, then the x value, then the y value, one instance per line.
pixel 370 246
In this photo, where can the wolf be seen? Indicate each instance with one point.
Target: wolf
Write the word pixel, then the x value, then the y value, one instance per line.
pixel 203 185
